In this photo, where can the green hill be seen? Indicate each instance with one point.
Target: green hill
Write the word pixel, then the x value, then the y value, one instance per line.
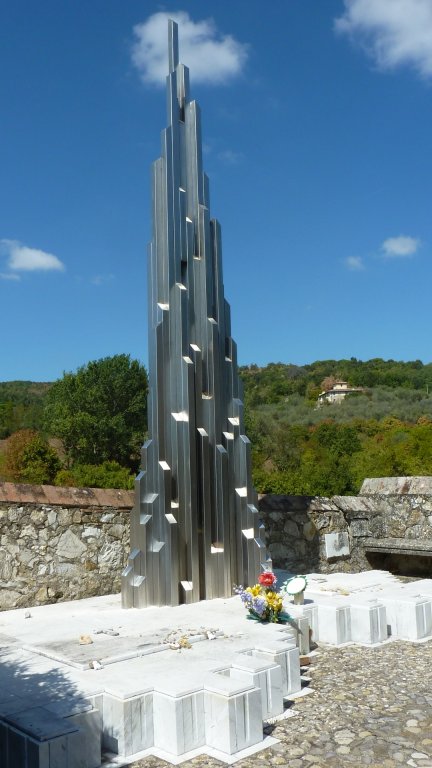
pixel 298 448
pixel 21 405
pixel 277 381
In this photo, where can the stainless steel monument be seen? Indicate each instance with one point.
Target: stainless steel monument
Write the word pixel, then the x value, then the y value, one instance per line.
pixel 194 529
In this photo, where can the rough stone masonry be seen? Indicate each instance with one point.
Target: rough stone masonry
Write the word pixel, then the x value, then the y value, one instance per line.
pixel 66 543
pixel 60 543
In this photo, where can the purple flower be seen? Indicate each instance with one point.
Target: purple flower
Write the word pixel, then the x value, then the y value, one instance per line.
pixel 260 605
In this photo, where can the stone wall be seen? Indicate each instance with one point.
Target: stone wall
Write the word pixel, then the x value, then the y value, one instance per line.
pixel 388 525
pixel 297 531
pixel 61 543
pixel 67 543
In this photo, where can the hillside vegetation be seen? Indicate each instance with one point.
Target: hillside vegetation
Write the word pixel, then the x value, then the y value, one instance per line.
pixel 21 405
pixel 297 448
pixel 277 381
pixel 88 427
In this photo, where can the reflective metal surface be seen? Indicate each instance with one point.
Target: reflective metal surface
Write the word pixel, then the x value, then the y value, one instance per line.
pixel 195 529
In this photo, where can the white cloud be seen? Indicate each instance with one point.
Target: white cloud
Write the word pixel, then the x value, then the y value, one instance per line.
pixel 21 258
pixel 101 279
pixel 9 276
pixel 229 157
pixel 393 32
pixel 355 263
pixel 214 58
pixel 401 246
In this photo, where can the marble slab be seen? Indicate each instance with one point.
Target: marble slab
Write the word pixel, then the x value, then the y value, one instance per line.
pixel 229 710
pixel 20 750
pixel 308 610
pixel 368 622
pixel 409 617
pixel 233 713
pixel 127 724
pixel 90 728
pixel 334 623
pixel 40 723
pixel 265 675
pixel 336 545
pixel 288 658
pixel 179 721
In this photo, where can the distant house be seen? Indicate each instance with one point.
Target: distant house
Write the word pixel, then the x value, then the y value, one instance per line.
pixel 337 393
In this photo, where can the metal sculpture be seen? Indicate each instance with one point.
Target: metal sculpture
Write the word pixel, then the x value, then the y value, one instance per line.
pixel 194 529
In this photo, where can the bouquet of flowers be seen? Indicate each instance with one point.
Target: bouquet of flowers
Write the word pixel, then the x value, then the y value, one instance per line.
pixel 262 601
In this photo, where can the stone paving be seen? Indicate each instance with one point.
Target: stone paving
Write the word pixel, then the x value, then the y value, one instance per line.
pixel 370 707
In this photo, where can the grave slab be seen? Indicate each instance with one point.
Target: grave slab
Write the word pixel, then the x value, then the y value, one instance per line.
pixel 123 684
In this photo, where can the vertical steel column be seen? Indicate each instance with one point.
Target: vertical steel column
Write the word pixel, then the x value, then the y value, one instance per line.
pixel 194 528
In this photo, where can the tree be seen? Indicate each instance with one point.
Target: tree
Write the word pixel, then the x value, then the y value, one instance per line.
pixel 328 383
pixel 107 475
pixel 29 458
pixel 21 405
pixel 100 411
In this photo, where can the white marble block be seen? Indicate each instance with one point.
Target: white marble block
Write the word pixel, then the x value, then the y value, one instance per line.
pixel 409 617
pixel 38 755
pixel 38 738
pixel 302 634
pixel 368 622
pixel 127 723
pixel 19 750
pixel 90 725
pixel 67 752
pixel 309 611
pixel 421 587
pixel 334 623
pixel 80 713
pixel 178 714
pixel 233 713
pixel 265 675
pixel 287 656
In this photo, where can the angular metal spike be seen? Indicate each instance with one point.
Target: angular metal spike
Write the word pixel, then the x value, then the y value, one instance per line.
pixel 173 47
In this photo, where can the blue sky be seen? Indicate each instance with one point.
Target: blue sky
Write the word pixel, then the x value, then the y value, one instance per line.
pixel 316 130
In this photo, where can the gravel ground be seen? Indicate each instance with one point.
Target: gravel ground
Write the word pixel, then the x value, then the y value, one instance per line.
pixel 370 707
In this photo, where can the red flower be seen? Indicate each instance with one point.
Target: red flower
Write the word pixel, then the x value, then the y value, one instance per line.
pixel 267 579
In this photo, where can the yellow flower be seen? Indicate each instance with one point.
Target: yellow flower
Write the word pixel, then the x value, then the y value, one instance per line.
pixel 254 591
pixel 274 601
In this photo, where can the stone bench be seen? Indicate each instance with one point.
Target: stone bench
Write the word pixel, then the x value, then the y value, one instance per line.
pixel 419 547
